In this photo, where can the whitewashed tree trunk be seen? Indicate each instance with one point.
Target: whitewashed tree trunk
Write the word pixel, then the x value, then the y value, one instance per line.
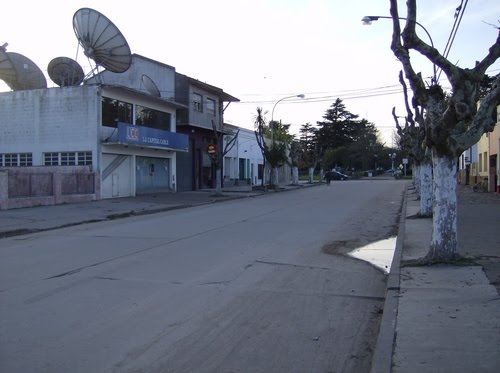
pixel 311 175
pixel 218 181
pixel 425 189
pixel 274 176
pixel 295 175
pixel 416 178
pixel 444 244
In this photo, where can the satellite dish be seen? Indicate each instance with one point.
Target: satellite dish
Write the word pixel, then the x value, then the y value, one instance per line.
pixel 20 72
pixel 150 86
pixel 101 40
pixel 7 70
pixel 65 72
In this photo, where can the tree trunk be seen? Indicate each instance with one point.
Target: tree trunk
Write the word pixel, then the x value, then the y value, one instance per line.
pixel 416 177
pixel 218 181
pixel 311 175
pixel 425 189
pixel 444 244
pixel 274 177
pixel 295 175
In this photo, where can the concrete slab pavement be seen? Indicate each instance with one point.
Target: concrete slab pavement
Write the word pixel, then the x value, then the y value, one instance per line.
pixel 444 318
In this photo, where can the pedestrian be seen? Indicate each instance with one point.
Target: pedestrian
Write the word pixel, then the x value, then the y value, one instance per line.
pixel 328 177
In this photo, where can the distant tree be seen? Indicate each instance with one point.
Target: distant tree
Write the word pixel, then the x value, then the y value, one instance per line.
pixel 274 154
pixel 260 135
pixel 338 127
pixel 342 129
pixel 453 124
pixel 309 148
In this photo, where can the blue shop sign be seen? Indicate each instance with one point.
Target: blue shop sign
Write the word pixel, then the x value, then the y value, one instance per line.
pixel 151 137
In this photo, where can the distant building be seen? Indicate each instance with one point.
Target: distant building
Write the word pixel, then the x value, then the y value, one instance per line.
pixel 244 163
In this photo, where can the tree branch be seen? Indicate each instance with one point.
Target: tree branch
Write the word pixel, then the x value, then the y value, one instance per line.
pixel 403 55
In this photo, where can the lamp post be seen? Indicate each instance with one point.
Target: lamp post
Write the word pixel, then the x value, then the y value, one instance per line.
pixel 274 126
pixel 367 20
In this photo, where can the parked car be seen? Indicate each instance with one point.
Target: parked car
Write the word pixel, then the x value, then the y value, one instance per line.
pixel 335 175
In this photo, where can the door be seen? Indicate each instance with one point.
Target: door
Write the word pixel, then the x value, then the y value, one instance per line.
pixel 152 174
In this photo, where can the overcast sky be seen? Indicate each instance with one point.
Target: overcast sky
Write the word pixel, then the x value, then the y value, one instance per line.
pixel 261 51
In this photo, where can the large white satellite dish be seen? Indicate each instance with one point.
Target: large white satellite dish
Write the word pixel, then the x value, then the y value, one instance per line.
pixel 65 72
pixel 101 40
pixel 19 72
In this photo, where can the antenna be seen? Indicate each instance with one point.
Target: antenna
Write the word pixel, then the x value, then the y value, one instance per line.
pixel 101 40
pixel 150 86
pixel 19 72
pixel 65 72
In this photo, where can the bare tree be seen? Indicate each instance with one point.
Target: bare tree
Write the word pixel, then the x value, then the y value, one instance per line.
pixel 453 123
pixel 221 150
pixel 412 141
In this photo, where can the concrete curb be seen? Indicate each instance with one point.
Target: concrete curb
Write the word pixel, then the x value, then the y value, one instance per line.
pixel 384 348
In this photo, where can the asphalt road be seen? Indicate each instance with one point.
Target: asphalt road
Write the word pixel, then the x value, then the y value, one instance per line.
pixel 250 285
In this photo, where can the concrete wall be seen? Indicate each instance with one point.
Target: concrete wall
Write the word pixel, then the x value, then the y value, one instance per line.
pixel 50 120
pixel 161 74
pixel 40 186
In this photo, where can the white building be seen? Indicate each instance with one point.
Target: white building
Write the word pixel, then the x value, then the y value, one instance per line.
pixel 244 163
pixel 125 135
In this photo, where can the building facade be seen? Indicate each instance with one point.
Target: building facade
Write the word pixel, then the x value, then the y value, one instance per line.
pixel 202 122
pixel 243 163
pixel 140 131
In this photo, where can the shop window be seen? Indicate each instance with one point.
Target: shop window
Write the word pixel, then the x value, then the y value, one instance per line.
pixel 114 111
pixel 152 118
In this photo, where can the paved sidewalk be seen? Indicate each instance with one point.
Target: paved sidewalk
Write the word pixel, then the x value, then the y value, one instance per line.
pixel 444 318
pixel 34 219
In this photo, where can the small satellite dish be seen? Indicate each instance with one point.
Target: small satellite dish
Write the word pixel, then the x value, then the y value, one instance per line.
pixel 28 74
pixel 150 86
pixel 65 72
pixel 8 72
pixel 101 40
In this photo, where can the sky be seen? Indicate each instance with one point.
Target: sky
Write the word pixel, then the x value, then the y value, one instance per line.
pixel 263 51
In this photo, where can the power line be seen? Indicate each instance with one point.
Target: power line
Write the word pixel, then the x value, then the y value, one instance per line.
pixel 459 13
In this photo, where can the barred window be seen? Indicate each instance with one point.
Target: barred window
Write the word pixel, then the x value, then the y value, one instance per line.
pixel 16 159
pixel 25 159
pixel 68 158
pixel 51 159
pixel 84 158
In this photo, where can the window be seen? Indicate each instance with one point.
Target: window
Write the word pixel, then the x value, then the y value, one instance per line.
pixel 114 111
pixel 485 161
pixel 67 159
pixel 211 106
pixel 152 118
pixel 197 102
pixel 480 163
pixel 16 159
pixel 50 159
pixel 84 158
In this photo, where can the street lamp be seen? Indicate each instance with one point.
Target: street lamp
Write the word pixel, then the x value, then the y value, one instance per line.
pixel 284 98
pixel 367 20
